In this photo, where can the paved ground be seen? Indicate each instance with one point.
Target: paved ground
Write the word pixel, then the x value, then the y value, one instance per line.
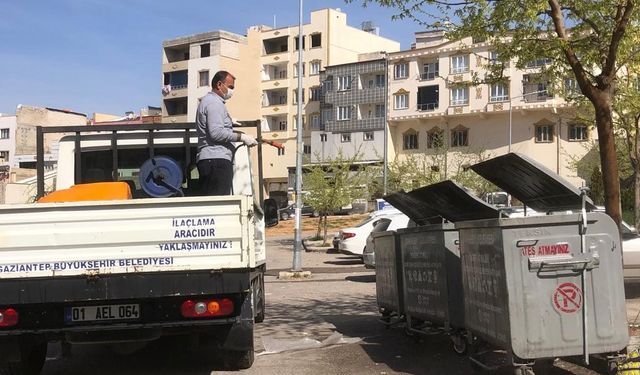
pixel 340 298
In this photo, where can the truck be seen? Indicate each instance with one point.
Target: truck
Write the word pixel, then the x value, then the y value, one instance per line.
pixel 167 261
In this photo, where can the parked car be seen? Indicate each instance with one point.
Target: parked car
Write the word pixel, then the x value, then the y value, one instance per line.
pixel 288 212
pixel 354 239
pixel 393 222
pixel 630 253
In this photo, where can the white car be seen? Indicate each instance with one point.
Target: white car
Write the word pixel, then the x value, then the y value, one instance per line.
pixel 354 239
pixel 392 222
pixel 630 253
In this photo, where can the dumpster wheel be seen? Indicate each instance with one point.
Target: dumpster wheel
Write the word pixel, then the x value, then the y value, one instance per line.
pixel 459 344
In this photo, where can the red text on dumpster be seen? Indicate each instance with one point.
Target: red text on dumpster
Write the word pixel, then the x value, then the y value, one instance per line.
pixel 567 298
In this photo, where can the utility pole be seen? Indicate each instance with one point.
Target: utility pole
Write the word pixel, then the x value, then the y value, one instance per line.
pixel 297 247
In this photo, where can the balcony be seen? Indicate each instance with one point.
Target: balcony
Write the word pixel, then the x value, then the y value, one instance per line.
pixel 272 98
pixel 275 45
pixel 427 107
pixel 175 66
pixel 177 53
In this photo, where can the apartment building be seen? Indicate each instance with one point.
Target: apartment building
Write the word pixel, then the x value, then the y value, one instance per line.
pixel 18 134
pixel 434 107
pixel 265 63
pixel 188 65
pixel 353 111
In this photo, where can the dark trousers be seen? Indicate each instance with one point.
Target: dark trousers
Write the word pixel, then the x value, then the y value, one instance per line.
pixel 216 176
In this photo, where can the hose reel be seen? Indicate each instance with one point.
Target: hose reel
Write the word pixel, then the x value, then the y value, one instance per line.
pixel 161 177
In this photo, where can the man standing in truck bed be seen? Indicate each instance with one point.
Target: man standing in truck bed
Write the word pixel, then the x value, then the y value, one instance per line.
pixel 216 137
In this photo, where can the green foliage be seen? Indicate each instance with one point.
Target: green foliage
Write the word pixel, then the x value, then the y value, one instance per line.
pixel 333 184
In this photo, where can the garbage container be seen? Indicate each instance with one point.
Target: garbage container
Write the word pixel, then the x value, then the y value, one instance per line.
pixel 388 274
pixel 430 258
pixel 545 286
pixel 389 287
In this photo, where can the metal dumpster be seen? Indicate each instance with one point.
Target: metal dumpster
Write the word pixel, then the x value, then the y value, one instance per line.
pixel 430 258
pixel 544 286
pixel 389 284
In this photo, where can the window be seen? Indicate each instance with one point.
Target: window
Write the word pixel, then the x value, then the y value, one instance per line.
pixel 315 121
pixel 295 96
pixel 280 151
pixel 401 70
pixel 494 57
pixel 327 85
pixel 4 155
pixel 538 63
pixel 295 122
pixel 296 41
pixel 499 92
pixel 327 114
pixel 282 125
pixel 295 69
pixel 544 133
pixel 435 138
pixel 316 40
pixel 380 81
pixel 410 140
pixel 345 137
pixel 315 67
pixel 344 113
pixel 344 83
pixel 401 101
pixel 205 50
pixel 203 78
pixel 430 71
pixel 460 137
pixel 315 93
pixel 571 86
pixel 460 96
pixel 459 64
pixel 323 137
pixel 368 136
pixel 4 133
pixel 379 110
pixel 578 132
pixel 306 149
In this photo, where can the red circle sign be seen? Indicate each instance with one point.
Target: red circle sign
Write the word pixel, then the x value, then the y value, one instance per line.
pixel 567 298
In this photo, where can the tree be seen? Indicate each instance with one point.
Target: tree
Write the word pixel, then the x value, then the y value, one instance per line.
pixel 333 184
pixel 589 40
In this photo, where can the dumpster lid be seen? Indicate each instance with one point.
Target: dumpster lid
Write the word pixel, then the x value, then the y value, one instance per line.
pixel 453 202
pixel 532 183
pixel 416 210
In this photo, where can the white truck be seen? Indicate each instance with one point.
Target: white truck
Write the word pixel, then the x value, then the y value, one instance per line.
pixel 129 271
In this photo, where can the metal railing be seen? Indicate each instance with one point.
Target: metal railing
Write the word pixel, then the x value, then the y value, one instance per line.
pixel 427 106
pixel 429 76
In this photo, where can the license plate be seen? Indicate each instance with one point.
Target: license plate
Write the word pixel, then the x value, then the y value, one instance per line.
pixel 101 313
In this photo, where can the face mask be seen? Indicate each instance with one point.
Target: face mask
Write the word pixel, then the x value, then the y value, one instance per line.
pixel 228 95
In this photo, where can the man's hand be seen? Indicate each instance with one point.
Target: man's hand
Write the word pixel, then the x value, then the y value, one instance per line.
pixel 248 140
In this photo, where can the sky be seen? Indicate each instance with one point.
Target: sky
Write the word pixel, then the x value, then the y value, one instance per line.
pixel 105 56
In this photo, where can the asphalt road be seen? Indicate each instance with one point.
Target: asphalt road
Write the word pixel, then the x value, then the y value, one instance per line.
pixel 339 299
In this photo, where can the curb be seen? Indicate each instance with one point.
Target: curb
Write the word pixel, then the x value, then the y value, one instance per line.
pixel 316 249
pixel 294 275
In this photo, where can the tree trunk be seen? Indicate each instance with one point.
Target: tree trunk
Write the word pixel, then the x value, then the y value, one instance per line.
pixel 608 156
pixel 319 226
pixel 325 229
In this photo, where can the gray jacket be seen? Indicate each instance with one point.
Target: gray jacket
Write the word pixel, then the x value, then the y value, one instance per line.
pixel 215 129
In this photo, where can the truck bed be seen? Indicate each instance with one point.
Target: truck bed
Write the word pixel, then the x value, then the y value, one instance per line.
pixel 131 236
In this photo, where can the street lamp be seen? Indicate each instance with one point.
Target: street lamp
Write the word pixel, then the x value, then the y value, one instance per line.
pixel 511 111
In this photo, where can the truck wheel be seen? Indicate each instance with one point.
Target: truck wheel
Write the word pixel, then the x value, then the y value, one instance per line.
pixel 238 359
pixel 31 363
pixel 258 297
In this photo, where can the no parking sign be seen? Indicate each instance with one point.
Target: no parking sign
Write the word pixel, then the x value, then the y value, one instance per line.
pixel 567 298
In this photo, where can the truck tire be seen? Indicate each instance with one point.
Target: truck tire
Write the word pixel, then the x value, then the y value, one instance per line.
pixel 238 359
pixel 31 363
pixel 258 296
